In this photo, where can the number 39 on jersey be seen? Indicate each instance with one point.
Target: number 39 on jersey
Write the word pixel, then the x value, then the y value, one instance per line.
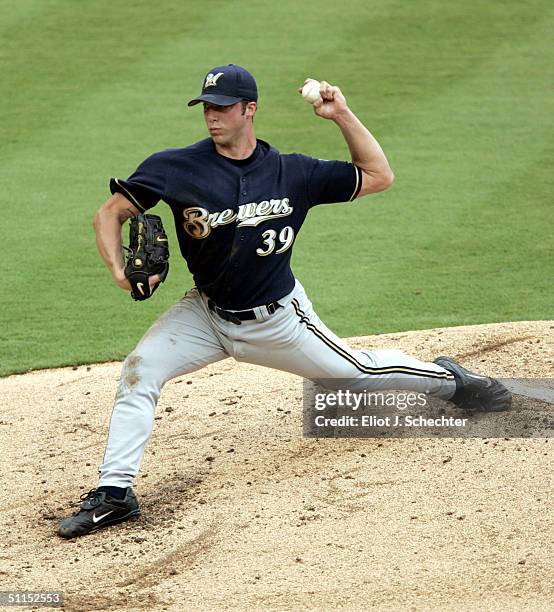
pixel 276 242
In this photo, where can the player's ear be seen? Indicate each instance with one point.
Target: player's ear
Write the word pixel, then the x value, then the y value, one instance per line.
pixel 250 109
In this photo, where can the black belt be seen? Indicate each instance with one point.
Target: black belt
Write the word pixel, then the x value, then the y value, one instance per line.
pixel 238 316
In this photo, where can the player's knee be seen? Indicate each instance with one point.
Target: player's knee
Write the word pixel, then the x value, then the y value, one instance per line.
pixel 133 370
pixel 141 370
pixel 340 372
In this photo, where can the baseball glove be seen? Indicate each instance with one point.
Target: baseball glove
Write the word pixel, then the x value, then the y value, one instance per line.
pixel 148 254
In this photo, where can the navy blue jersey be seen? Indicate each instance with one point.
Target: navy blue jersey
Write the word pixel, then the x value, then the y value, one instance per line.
pixel 236 220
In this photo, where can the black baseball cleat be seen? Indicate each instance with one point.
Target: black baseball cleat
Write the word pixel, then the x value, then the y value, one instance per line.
pixel 98 510
pixel 476 392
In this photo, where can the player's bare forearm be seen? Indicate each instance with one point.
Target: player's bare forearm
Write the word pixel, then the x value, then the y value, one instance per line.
pixel 366 153
pixel 107 225
pixel 108 241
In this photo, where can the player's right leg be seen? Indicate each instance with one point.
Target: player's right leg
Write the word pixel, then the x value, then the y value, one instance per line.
pixel 179 342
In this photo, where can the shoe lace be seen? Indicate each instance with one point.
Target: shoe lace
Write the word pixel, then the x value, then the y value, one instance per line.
pixel 85 496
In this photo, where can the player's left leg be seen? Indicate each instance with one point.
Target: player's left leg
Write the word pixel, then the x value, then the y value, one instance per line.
pixel 296 340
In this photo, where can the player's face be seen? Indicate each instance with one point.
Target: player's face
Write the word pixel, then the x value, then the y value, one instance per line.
pixel 226 124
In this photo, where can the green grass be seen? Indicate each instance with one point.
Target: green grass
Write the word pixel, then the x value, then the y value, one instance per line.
pixel 459 95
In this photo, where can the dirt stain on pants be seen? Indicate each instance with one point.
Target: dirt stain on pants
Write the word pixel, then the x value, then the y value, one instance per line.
pixel 131 376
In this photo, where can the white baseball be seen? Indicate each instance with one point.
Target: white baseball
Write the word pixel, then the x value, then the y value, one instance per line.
pixel 310 91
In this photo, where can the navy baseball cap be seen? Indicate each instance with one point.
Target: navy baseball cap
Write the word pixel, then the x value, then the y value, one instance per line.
pixel 226 85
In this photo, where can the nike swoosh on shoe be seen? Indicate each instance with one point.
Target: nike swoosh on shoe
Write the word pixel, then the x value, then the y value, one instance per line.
pixel 96 519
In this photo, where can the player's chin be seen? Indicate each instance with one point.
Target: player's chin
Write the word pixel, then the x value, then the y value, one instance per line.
pixel 217 136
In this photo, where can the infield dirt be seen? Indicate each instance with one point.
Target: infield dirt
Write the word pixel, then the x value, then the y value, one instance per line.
pixel 241 512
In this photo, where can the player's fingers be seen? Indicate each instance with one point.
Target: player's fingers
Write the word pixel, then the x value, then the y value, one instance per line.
pixel 326 90
pixel 333 91
pixel 122 282
pixel 153 281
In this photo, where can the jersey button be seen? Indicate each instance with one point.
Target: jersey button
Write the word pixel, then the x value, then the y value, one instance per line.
pixel 243 179
pixel 244 193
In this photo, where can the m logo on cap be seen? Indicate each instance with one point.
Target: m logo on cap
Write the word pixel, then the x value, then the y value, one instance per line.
pixel 237 84
pixel 211 80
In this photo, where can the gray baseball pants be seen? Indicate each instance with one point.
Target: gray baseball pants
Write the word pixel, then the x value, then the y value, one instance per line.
pixel 190 336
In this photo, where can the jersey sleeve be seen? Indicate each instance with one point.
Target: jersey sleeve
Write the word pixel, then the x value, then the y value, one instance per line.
pixel 332 181
pixel 146 186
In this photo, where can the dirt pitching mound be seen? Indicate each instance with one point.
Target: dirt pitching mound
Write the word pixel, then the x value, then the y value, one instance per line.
pixel 240 512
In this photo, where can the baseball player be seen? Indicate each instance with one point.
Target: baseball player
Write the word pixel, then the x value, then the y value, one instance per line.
pixel 238 206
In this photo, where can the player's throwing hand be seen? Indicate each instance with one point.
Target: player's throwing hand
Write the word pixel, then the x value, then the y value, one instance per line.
pixel 329 104
pixel 332 103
